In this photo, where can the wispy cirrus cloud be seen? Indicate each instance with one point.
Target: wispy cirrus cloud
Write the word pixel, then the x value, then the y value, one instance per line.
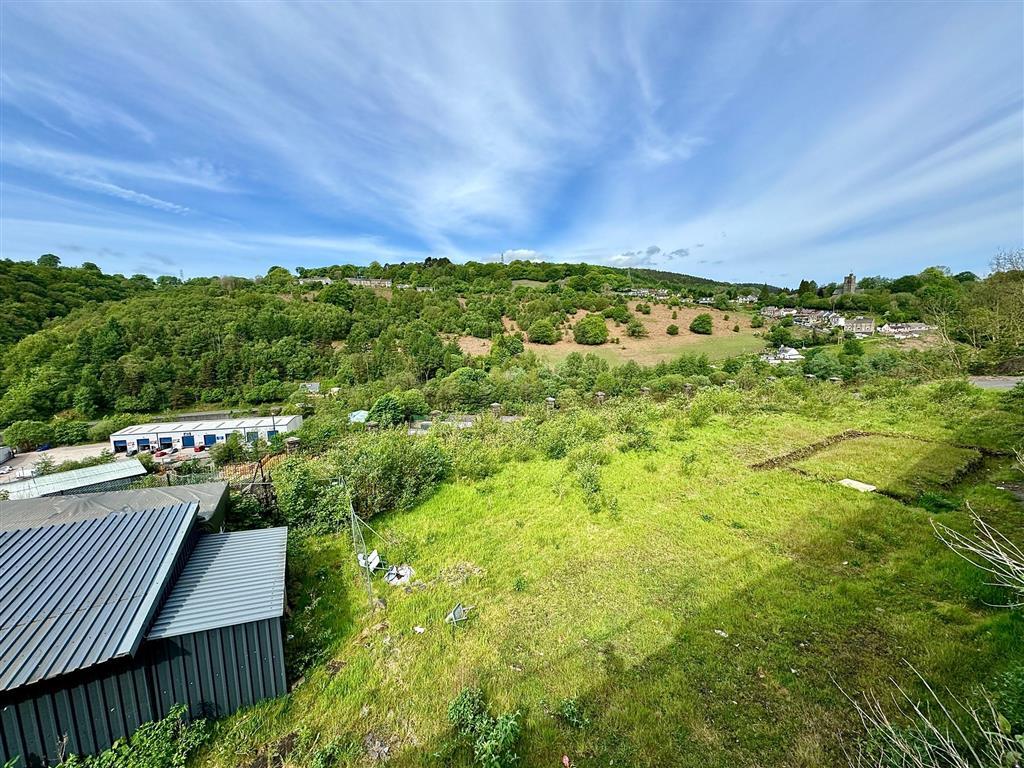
pixel 814 135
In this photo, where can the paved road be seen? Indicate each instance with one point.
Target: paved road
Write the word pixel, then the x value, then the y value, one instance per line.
pixel 996 382
pixel 59 454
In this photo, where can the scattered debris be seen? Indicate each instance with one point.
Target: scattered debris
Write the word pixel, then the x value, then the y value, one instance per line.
pixel 458 614
pixel 460 573
pixel 721 633
pixel 857 485
pixel 334 666
pixel 371 562
pixel 376 747
pixel 399 575
pixel 419 630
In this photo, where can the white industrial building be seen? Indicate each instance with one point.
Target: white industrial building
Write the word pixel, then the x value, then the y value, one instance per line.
pixel 189 434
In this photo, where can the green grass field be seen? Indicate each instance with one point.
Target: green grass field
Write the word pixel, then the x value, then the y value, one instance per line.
pixel 900 466
pixel 705 616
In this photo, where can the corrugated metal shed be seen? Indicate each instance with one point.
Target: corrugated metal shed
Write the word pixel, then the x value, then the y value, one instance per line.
pixel 217 425
pixel 231 578
pixel 56 510
pixel 83 593
pixel 75 479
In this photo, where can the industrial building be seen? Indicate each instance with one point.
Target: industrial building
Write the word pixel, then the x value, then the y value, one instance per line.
pixel 189 434
pixel 102 477
pixel 109 622
pixel 212 499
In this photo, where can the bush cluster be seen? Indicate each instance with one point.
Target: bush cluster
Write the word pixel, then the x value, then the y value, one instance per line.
pixel 494 739
pixel 166 743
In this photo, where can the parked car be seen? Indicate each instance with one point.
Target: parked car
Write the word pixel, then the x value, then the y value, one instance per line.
pixel 160 454
pixel 6 469
pixel 199 448
pixel 43 447
pixel 172 451
pixel 132 452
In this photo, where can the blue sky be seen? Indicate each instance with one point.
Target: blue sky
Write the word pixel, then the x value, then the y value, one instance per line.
pixel 760 142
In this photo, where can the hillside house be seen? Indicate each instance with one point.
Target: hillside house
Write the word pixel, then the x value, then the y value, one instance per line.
pixel 861 325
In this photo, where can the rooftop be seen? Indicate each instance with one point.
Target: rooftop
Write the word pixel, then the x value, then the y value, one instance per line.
pixel 231 578
pixel 59 482
pixel 57 510
pixel 82 593
pixel 254 422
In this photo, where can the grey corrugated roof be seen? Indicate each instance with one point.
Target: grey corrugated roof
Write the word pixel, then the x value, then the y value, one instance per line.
pixel 231 578
pixel 61 482
pixel 83 593
pixel 55 510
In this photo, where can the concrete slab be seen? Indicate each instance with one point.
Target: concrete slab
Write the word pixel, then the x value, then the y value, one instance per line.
pixel 996 382
pixel 857 485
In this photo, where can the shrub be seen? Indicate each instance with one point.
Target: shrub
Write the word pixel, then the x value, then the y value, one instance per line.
pixel 387 411
pixel 672 330
pixel 643 308
pixel 700 412
pixel 166 743
pixel 70 432
pixel 702 324
pixel 590 330
pixel 675 314
pixel 391 471
pixel 757 322
pixel 232 451
pixel 26 435
pixel 571 713
pixel 736 328
pixel 543 332
pixel 635 329
pixel 494 739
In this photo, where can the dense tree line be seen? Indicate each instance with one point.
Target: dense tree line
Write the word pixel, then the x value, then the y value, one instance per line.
pixel 237 342
pixel 34 293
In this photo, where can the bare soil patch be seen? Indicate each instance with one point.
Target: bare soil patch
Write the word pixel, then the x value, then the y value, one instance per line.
pixel 656 347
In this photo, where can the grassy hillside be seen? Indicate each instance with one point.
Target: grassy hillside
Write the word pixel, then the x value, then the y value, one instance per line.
pixel 695 610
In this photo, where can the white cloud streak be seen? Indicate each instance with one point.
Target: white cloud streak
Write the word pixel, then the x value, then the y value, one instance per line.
pixel 812 136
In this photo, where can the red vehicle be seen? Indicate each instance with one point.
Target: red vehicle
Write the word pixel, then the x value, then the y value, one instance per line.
pixel 199 448
pixel 159 454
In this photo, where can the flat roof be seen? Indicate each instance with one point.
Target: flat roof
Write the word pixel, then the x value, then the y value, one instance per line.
pixel 80 594
pixel 231 578
pixel 71 480
pixel 254 422
pixel 56 510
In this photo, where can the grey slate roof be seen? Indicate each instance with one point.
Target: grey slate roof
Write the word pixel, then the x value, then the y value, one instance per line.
pixel 55 510
pixel 82 593
pixel 66 482
pixel 231 578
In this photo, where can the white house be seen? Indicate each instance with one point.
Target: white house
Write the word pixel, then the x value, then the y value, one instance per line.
pixel 189 434
pixel 783 354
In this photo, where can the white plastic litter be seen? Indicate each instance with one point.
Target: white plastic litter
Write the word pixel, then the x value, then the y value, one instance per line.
pixel 370 562
pixel 857 485
pixel 398 575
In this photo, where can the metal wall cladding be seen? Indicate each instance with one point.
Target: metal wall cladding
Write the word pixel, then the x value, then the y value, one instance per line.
pixel 213 673
pixel 83 593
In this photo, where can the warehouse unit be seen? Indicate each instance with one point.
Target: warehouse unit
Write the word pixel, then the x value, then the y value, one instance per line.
pixel 102 477
pixel 107 623
pixel 189 434
pixel 211 498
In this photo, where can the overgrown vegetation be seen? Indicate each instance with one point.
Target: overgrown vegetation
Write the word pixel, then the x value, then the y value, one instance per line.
pixel 643 516
pixel 166 743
